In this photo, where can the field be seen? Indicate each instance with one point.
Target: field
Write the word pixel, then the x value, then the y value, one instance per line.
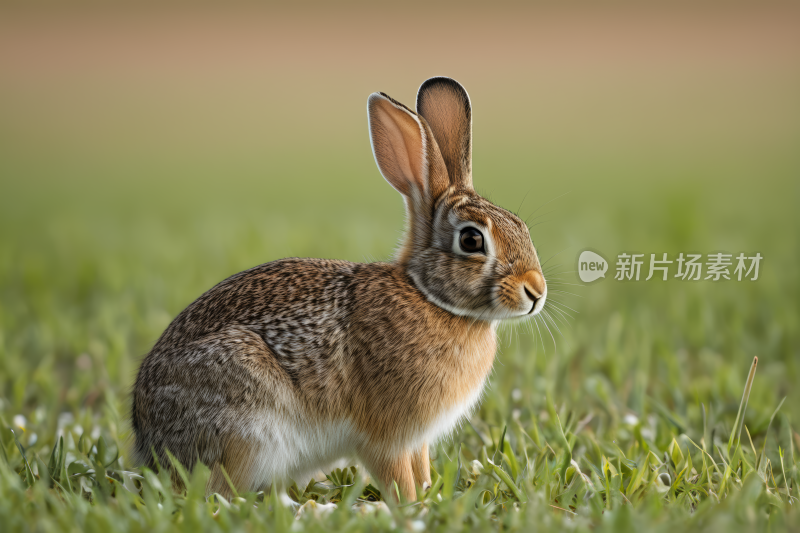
pixel 147 154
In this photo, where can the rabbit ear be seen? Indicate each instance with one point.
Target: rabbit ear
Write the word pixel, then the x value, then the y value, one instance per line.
pixel 404 149
pixel 445 105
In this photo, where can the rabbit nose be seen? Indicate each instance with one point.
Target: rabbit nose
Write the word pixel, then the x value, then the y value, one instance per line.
pixel 534 285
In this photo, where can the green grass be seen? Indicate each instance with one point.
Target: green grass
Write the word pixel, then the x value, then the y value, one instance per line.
pixel 627 423
pixel 627 419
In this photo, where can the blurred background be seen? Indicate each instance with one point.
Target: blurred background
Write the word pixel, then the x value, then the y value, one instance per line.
pixel 148 152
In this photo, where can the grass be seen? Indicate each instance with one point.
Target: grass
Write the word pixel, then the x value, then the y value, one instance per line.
pixel 536 473
pixel 626 419
pixel 637 414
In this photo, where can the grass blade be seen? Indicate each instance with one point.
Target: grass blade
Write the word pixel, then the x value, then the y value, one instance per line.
pixel 766 435
pixel 739 423
pixel 500 444
pixel 505 478
pixel 30 479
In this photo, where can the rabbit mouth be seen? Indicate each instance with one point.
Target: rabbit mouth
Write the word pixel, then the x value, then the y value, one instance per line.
pixel 533 299
pixel 538 303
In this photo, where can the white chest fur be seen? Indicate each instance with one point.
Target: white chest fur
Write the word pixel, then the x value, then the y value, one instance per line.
pixel 451 418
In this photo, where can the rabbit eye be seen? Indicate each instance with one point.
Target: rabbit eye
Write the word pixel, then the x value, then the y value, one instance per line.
pixel 471 240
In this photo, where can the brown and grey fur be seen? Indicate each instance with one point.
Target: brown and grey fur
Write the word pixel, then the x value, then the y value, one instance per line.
pixel 285 368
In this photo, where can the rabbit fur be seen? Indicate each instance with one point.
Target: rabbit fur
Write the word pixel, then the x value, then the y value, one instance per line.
pixel 285 368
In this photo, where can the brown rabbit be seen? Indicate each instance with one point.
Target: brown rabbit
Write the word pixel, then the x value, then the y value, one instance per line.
pixel 282 369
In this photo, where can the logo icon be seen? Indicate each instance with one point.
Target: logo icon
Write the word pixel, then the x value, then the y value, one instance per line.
pixel 591 266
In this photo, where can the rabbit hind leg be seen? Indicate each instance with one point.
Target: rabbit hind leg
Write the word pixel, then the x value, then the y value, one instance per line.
pixel 239 460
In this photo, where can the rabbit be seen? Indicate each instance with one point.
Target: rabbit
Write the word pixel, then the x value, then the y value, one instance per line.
pixel 287 367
